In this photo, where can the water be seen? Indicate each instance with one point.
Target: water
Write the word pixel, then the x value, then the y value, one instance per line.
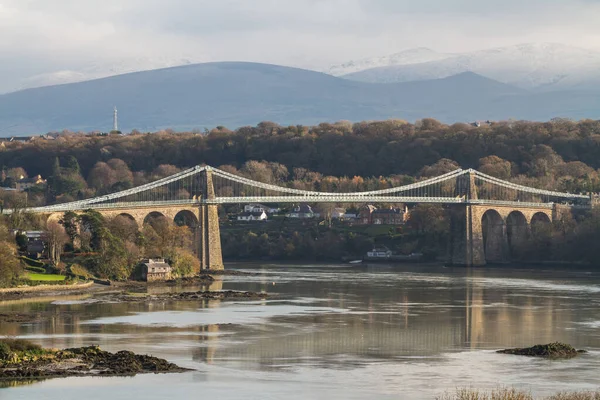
pixel 335 332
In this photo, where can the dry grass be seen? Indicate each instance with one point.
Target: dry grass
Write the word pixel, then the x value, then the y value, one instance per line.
pixel 513 394
pixel 576 396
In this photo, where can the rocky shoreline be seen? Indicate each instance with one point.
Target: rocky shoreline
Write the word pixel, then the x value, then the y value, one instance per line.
pixel 552 350
pixel 22 360
pixel 182 296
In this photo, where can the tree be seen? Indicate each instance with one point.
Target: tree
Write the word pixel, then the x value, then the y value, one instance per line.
pixel 185 263
pixel 10 266
pixel 16 173
pixel 102 177
pixel 495 166
pixel 57 239
pixel 93 222
pixel 73 165
pixel 441 167
pixel 70 222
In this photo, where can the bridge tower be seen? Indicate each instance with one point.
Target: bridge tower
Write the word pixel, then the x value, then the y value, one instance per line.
pixel 466 232
pixel 211 256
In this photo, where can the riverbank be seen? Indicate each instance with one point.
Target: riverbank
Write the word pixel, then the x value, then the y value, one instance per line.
pixel 23 360
pixel 44 289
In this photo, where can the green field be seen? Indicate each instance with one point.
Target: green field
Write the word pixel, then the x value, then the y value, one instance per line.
pixel 45 277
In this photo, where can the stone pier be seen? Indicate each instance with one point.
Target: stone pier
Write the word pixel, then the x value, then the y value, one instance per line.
pixel 211 256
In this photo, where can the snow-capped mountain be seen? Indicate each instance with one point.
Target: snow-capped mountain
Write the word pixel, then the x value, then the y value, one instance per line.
pixel 102 69
pixel 407 57
pixel 546 66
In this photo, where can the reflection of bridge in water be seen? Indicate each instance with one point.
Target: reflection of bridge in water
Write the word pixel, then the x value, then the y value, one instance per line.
pixel 489 216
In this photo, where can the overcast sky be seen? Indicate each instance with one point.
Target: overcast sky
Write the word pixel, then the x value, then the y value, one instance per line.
pixel 38 36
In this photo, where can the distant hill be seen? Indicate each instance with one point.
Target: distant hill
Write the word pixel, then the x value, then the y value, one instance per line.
pixel 418 55
pixel 236 94
pixel 533 65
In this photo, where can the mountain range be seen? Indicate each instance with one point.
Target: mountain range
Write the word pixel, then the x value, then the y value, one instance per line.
pixel 534 82
pixel 234 94
pixel 546 66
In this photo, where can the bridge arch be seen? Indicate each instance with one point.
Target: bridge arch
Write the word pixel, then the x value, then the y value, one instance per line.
pixel 540 218
pixel 186 218
pixel 517 232
pixel 127 216
pixel 494 236
pixel 155 217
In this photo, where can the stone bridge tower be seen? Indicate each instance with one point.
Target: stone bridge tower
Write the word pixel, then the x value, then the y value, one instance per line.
pixel 210 253
pixel 466 235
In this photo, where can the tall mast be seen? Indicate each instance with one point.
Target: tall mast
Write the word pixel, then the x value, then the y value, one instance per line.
pixel 115 121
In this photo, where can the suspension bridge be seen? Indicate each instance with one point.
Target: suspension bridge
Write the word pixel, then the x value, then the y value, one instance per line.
pixel 488 215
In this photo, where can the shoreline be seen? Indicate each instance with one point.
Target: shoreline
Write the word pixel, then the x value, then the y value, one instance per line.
pixel 207 277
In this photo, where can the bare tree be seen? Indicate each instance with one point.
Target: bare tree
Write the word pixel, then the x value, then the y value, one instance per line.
pixel 57 239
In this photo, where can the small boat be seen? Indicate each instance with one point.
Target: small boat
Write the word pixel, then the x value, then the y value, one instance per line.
pixel 356 262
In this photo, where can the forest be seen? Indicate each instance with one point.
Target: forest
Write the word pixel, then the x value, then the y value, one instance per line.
pixel 561 155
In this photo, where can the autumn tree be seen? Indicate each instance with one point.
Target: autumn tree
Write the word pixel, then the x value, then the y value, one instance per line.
pixel 57 238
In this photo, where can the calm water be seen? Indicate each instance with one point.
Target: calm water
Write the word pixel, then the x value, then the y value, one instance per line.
pixel 335 332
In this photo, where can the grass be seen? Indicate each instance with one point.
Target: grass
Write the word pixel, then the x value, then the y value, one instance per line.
pixel 513 394
pixel 45 277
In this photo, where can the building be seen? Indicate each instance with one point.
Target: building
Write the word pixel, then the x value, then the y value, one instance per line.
pixel 156 270
pixel 252 216
pixel 303 211
pixel 253 208
pixel 371 215
pixel 365 215
pixel 22 139
pixel 390 216
pixel 28 183
pixel 36 245
pixel 338 213
pixel 379 252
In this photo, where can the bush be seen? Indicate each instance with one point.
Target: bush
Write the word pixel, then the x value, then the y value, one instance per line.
pixel 21 345
pixel 5 352
pixel 80 271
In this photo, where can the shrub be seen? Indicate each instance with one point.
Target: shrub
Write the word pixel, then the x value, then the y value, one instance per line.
pixel 21 345
pixel 5 352
pixel 80 271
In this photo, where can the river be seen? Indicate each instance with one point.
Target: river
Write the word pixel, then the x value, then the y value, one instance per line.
pixel 335 332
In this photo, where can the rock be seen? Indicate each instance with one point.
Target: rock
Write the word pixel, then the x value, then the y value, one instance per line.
pixel 84 361
pixel 551 350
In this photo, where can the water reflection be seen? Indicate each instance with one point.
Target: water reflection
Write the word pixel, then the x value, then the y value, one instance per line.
pixel 337 318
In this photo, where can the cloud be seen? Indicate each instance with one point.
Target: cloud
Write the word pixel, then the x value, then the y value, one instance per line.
pixel 41 36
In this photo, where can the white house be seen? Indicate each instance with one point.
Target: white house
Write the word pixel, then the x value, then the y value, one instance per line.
pixel 252 216
pixel 254 208
pixel 338 213
pixel 303 211
pixel 379 252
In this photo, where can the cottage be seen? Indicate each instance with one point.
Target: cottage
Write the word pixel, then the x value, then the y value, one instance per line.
pixel 37 242
pixel 390 216
pixel 252 216
pixel 379 252
pixel 338 213
pixel 156 270
pixel 304 211
pixel 253 208
pixel 27 183
pixel 370 215
pixel 365 215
